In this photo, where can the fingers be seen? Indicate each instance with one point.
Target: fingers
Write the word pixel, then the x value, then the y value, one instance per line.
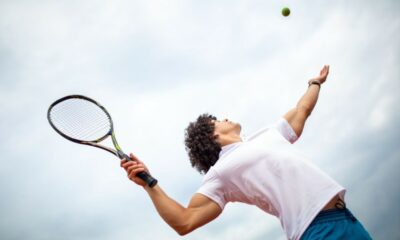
pixel 324 73
pixel 325 69
pixel 127 164
pixel 122 162
pixel 132 174
pixel 135 169
pixel 132 168
pixel 134 158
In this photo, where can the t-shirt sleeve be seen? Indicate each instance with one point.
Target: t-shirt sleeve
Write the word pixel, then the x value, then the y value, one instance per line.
pixel 213 188
pixel 286 130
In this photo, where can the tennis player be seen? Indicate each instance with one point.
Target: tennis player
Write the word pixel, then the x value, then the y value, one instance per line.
pixel 264 170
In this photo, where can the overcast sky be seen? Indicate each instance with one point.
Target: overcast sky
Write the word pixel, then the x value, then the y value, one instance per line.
pixel 157 65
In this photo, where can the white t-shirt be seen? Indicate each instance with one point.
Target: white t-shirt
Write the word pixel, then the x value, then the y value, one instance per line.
pixel 266 170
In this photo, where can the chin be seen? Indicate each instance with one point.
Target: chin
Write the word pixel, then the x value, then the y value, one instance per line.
pixel 239 127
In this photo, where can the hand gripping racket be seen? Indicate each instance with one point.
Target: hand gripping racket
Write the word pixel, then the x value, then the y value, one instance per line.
pixel 83 120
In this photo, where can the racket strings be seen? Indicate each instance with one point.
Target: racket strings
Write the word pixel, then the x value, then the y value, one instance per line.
pixel 77 126
pixel 80 119
pixel 74 130
pixel 86 121
pixel 80 127
pixel 88 126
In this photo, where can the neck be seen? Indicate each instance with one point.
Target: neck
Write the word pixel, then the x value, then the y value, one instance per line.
pixel 229 139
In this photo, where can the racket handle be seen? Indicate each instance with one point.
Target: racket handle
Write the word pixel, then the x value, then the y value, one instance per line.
pixel 150 181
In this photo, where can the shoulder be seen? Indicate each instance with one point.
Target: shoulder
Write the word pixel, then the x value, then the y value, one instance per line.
pixel 281 125
pixel 286 130
pixel 213 187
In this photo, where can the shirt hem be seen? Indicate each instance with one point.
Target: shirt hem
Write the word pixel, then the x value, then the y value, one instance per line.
pixel 319 208
pixel 212 198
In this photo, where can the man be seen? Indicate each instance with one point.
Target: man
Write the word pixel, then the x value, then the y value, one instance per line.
pixel 265 170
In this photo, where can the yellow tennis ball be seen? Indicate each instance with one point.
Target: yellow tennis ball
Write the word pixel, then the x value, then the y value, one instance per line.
pixel 285 11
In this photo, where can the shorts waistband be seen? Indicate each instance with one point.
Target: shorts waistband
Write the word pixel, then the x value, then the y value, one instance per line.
pixel 341 212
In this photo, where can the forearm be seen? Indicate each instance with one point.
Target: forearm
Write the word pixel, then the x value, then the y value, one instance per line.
pixel 173 213
pixel 297 117
pixel 308 101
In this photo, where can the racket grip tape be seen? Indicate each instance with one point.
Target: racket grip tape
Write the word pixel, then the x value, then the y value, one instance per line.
pixel 147 178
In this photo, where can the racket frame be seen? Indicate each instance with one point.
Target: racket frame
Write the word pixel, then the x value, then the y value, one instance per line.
pixel 95 143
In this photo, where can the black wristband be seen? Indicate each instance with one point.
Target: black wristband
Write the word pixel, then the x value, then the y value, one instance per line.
pixel 314 82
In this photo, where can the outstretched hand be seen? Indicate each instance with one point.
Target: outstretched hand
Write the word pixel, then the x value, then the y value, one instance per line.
pixel 322 75
pixel 133 167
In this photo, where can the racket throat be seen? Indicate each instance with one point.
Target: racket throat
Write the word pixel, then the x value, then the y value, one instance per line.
pixel 120 153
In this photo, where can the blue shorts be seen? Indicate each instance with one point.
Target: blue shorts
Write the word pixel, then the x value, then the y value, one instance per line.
pixel 335 224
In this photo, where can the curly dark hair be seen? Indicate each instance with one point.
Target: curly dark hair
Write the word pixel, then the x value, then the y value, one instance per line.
pixel 201 144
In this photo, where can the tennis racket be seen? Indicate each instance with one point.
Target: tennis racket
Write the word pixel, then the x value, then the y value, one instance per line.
pixel 83 120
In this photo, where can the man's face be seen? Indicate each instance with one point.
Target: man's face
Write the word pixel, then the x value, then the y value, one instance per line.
pixel 226 127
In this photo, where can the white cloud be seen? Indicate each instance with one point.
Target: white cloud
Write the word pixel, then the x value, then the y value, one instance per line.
pixel 156 66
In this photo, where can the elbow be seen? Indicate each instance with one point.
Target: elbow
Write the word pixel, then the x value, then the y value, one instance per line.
pixel 182 231
pixel 184 227
pixel 182 234
pixel 181 223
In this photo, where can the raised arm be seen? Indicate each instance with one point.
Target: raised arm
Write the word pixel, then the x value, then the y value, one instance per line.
pixel 200 211
pixel 297 116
